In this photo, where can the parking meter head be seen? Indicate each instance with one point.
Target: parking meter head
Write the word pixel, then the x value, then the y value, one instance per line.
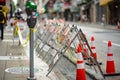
pixel 31 22
pixel 30 7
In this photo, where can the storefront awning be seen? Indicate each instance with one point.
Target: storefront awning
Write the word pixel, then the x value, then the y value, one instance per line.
pixel 104 2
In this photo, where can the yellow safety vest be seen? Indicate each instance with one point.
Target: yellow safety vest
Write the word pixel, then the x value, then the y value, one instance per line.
pixel 4 16
pixel 5 9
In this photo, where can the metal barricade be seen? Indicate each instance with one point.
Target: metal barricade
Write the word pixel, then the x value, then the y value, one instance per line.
pixel 62 41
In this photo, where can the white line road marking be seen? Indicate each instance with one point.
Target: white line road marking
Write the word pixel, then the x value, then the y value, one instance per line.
pixel 112 43
pixel 10 40
pixel 9 34
pixel 13 58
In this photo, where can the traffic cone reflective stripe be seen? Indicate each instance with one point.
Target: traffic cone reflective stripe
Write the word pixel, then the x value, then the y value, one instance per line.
pixel 80 58
pixel 109 50
pixel 94 53
pixel 93 48
pixel 85 49
pixel 110 67
pixel 110 57
pixel 80 65
pixel 80 72
pixel 92 45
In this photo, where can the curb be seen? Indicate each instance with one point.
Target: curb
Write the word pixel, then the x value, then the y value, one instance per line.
pixel 95 25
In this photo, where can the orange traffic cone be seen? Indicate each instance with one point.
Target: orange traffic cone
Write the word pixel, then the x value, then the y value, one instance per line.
pixel 93 48
pixel 85 50
pixel 94 54
pixel 110 67
pixel 80 72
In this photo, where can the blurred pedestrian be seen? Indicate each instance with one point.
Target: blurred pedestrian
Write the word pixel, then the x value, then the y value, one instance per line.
pixel 67 10
pixel 84 18
pixel 103 20
pixel 18 12
pixel 118 24
pixel 2 22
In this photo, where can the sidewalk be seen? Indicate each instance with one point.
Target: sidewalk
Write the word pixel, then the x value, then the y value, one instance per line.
pixel 14 61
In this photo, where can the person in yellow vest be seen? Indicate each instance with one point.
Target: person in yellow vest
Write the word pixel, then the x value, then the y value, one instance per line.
pixel 6 10
pixel 2 22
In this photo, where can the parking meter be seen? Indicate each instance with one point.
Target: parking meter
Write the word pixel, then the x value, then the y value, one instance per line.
pixel 31 10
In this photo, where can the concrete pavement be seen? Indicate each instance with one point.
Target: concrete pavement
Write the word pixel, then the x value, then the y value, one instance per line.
pixel 14 61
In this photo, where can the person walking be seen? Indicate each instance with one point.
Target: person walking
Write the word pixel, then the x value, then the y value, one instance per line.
pixel 103 20
pixel 18 12
pixel 2 22
pixel 67 10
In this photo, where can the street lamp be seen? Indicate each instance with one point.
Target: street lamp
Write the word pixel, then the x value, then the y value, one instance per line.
pixel 31 21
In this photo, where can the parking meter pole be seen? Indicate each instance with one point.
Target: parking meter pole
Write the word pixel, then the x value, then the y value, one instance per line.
pixel 31 56
pixel 31 53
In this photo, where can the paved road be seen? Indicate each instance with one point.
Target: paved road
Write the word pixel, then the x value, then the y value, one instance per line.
pixel 102 36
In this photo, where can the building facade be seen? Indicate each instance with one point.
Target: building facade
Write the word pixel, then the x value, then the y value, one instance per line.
pixel 95 10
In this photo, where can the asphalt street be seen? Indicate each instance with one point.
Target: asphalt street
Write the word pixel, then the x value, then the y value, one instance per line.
pixel 102 35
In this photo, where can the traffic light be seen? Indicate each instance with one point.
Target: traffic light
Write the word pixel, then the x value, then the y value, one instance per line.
pixel 31 10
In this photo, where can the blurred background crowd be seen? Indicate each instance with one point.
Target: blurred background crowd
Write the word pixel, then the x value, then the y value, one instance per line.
pixel 93 11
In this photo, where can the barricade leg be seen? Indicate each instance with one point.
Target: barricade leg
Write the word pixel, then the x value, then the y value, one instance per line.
pixel 41 50
pixel 50 69
pixel 48 57
pixel 47 53
pixel 52 60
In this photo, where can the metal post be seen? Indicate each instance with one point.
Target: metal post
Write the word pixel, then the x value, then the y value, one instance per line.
pixel 31 56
